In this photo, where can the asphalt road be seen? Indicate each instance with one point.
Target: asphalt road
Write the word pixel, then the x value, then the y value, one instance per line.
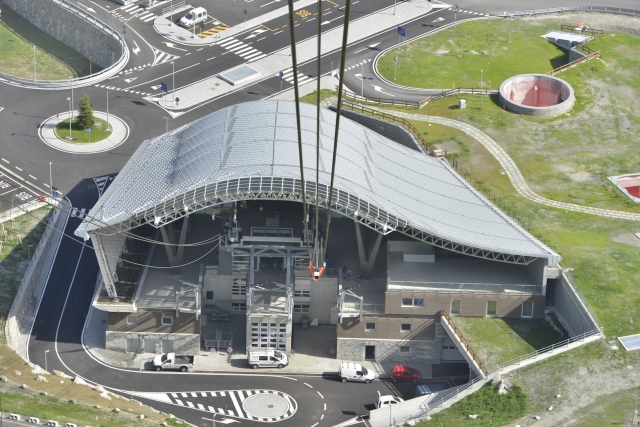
pixel 59 322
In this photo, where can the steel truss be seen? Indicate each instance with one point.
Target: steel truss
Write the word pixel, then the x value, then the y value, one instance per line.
pixel 290 189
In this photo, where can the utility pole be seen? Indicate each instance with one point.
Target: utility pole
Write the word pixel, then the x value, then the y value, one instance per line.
pixel 173 64
pixel 107 109
pixel 34 63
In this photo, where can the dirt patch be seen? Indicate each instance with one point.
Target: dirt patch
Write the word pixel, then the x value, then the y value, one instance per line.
pixel 628 239
pixel 441 52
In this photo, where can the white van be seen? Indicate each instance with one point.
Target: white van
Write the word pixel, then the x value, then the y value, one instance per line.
pixel 267 358
pixel 355 372
pixel 195 16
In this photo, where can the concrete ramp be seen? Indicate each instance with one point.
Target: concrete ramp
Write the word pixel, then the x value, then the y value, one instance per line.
pixel 567 40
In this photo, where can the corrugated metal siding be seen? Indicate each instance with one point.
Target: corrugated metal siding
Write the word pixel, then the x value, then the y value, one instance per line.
pixel 422 328
pixel 151 321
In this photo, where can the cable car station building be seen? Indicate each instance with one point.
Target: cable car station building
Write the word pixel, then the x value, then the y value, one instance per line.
pixel 222 198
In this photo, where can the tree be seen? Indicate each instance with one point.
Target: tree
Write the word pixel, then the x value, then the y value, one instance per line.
pixel 85 118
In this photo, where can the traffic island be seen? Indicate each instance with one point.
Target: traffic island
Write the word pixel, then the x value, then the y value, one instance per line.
pixel 110 132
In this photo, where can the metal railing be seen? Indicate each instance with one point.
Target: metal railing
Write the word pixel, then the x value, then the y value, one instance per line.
pixel 464 342
pixel 385 116
pixel 422 103
pixel 571 8
pixel 469 287
pixel 549 349
pixel 575 63
pixel 78 81
pixel 590 31
pixel 354 307
pixel 173 8
pixel 20 210
pixel 454 394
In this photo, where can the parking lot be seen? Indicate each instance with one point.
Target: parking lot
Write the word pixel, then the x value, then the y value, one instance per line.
pixel 12 194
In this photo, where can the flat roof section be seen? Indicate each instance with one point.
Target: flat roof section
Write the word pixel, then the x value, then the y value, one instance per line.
pixel 253 148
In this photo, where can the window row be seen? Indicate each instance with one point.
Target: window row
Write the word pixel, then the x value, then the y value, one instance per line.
pixel 371 326
pixel 133 320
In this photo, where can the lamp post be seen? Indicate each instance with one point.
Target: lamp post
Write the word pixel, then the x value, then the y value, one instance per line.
pixel 46 365
pixel 107 110
pixel 69 99
pixel 362 78
pixel 50 180
pixel 173 64
pixel 34 63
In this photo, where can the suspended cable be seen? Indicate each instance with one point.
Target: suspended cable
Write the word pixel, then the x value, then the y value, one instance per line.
pixel 345 35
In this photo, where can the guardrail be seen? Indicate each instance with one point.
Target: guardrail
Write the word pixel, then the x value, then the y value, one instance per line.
pixel 549 349
pixel 383 101
pixel 571 8
pixel 78 81
pixel 385 116
pixel 422 103
pixel 464 342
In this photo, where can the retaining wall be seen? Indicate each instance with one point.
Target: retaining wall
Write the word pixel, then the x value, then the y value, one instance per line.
pixel 70 29
pixel 182 343
pixel 24 308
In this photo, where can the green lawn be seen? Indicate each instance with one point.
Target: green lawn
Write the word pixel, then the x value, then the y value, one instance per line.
pixel 79 135
pixel 492 409
pixel 456 56
pixel 312 97
pixel 54 60
pixel 496 341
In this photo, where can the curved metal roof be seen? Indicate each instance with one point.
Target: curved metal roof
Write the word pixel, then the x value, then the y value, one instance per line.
pixel 252 148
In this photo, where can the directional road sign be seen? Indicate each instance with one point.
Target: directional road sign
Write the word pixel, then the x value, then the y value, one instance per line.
pixel 402 32
pixel 164 87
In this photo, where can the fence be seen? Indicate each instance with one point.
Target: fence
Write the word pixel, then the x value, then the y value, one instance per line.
pixel 175 7
pixel 575 63
pixel 517 361
pixel 422 103
pixel 385 116
pixel 596 34
pixel 384 101
pixel 79 81
pixel 530 12
pixel 22 209
pixel 464 342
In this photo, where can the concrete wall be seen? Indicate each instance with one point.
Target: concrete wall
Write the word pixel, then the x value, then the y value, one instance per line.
pixel 24 308
pixel 570 310
pixel 390 130
pixel 517 83
pixel 422 351
pixel 188 344
pixel 70 29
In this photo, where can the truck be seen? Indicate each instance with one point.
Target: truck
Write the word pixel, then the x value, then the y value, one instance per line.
pixel 172 362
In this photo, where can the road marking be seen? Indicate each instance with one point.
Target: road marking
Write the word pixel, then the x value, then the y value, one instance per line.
pixel 322 417
pixel 213 57
pixel 87 7
pixel 5 160
pixel 199 49
pixel 31 176
pixel 325 406
pixel 266 4
pixel 278 32
pixel 19 169
pixel 308 385
pixel 320 394
pixel 173 46
pixel 130 80
pixel 261 38
pixel 135 49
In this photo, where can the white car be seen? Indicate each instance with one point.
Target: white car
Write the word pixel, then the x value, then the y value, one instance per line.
pixel 195 16
pixel 387 400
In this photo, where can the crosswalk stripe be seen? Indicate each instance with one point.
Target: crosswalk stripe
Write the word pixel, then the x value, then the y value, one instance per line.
pixel 227 42
pixel 220 410
pixel 190 404
pixel 159 57
pixel 125 8
pixel 243 49
pixel 200 406
pixel 236 47
pixel 210 408
pixel 252 55
pixel 258 57
pixel 82 213
pixel 235 403
pixel 150 18
pixel 179 402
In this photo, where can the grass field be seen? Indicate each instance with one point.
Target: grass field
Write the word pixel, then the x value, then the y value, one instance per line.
pixel 54 60
pixel 79 135
pixel 496 341
pixel 500 48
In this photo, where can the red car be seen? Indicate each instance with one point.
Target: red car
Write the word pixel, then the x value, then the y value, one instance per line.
pixel 404 373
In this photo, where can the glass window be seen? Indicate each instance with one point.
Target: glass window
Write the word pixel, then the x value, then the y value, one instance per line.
pixel 492 308
pixel 455 306
pixel 132 320
pixel 370 326
pixel 418 302
pixel 407 302
pixel 527 309
pixel 405 327
pixel 301 308
pixel 405 349
pixel 167 321
pixel 209 294
pixel 239 306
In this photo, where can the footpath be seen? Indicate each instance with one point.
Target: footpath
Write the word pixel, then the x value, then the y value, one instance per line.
pixel 214 86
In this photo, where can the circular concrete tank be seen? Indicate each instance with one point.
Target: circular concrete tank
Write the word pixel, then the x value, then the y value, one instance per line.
pixel 537 95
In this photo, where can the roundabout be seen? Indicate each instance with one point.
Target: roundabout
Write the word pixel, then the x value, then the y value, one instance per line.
pixel 120 133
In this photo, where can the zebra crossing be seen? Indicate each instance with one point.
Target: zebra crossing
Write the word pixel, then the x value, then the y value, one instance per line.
pixel 468 11
pixel 162 57
pixel 287 75
pixel 127 11
pixel 229 403
pixel 136 92
pixel 358 64
pixel 351 422
pixel 242 49
pixel 78 213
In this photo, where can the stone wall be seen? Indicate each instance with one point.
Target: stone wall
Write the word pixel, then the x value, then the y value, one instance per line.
pixel 70 29
pixel 422 351
pixel 188 344
pixel 390 130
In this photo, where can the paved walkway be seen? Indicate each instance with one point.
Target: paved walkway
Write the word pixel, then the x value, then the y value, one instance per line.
pixel 511 169
pixel 359 29
pixel 118 136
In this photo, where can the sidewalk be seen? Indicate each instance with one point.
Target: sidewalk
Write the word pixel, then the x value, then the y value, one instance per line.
pixel 181 35
pixel 214 86
pixel 118 136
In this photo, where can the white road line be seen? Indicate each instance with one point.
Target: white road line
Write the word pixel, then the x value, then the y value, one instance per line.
pixel 200 406
pixel 8 192
pixel 314 425
pixel 210 408
pixel 191 405
pixel 150 18
pixel 19 169
pixel 213 57
pixel 31 176
pixel 325 407
pixel 320 395
pixel 198 50
pixel 46 185
pixel 258 57
pixel 235 403
pixel 251 55
pixel 278 32
pixel 308 385
pixel 261 38
pixel 220 410
pixel 243 49
pixel 321 418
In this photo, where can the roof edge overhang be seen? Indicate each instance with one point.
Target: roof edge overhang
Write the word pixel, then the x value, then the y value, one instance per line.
pixel 290 189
